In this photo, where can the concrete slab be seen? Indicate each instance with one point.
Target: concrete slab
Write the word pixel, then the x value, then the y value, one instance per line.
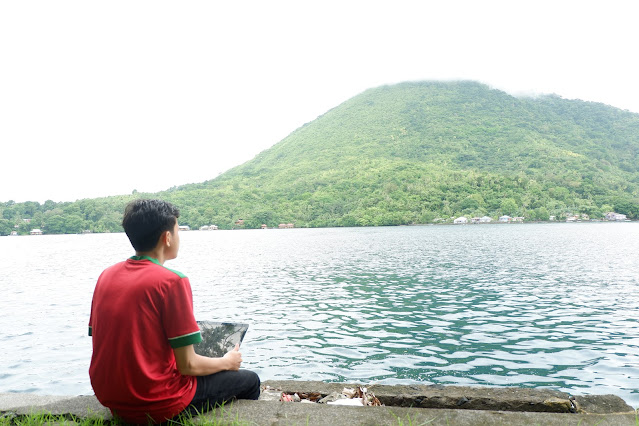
pixel 24 404
pixel 13 401
pixel 470 398
pixel 293 413
pixel 278 413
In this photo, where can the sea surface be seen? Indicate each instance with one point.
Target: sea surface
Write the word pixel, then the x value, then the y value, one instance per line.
pixel 533 305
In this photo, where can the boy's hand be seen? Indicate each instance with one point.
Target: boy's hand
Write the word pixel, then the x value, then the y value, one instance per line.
pixel 234 358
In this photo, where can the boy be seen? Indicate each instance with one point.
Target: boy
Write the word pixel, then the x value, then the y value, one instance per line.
pixel 143 366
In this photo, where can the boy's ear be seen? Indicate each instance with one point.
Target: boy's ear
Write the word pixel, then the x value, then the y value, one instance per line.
pixel 166 238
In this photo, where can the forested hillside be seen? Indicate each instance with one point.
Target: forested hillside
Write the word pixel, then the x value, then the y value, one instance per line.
pixel 413 153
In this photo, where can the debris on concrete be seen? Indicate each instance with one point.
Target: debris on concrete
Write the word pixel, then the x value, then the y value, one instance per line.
pixel 356 396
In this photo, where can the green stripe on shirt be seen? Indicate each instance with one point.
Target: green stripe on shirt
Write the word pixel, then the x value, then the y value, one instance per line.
pixel 187 339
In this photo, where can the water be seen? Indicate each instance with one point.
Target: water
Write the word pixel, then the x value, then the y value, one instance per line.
pixel 535 305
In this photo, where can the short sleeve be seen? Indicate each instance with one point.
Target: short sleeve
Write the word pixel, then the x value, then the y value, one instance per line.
pixel 178 318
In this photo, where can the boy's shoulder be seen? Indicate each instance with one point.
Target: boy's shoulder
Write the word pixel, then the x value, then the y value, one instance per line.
pixel 178 273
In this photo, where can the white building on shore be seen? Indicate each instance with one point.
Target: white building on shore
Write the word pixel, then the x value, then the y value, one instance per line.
pixel 615 216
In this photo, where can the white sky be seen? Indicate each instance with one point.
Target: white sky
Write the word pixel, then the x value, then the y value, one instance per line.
pixel 101 98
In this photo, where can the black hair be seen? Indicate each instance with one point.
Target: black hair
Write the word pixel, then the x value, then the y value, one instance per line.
pixel 145 220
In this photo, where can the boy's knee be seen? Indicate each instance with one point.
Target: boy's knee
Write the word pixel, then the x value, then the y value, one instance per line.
pixel 254 389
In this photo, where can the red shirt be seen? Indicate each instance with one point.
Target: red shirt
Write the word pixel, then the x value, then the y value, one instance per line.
pixel 140 311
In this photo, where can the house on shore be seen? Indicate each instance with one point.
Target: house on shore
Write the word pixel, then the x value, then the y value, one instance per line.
pixel 460 220
pixel 615 216
pixel 505 219
pixel 35 231
pixel 483 219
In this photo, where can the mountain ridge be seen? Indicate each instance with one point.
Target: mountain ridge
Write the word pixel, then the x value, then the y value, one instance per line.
pixel 445 132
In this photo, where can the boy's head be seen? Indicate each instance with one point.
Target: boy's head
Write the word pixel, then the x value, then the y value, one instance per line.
pixel 145 220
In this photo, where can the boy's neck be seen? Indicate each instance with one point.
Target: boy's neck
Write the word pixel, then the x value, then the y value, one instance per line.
pixel 162 250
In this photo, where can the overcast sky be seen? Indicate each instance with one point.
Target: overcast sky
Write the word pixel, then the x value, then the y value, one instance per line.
pixel 103 98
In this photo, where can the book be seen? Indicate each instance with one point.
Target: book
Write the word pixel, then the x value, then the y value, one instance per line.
pixel 218 338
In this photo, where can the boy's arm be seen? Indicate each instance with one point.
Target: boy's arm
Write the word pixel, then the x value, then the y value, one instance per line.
pixel 191 364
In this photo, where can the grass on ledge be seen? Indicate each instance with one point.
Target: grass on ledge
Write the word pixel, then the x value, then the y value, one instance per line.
pixel 217 417
pixel 51 419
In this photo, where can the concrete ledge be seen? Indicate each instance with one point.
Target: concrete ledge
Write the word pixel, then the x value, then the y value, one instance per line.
pixel 472 398
pixel 455 405
pixel 80 406
pixel 292 413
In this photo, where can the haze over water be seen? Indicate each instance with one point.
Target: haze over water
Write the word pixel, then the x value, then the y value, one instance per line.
pixel 534 305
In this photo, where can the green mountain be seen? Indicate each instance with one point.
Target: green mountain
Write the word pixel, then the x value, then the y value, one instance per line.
pixel 408 153
pixel 416 152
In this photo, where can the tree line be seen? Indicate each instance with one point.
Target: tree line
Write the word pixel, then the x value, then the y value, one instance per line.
pixel 412 153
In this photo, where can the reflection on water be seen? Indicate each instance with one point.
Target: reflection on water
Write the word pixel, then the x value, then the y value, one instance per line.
pixel 552 305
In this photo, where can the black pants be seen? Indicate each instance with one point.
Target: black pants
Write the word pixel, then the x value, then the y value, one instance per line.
pixel 224 386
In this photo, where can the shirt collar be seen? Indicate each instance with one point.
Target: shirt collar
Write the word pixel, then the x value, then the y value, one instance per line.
pixel 149 258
